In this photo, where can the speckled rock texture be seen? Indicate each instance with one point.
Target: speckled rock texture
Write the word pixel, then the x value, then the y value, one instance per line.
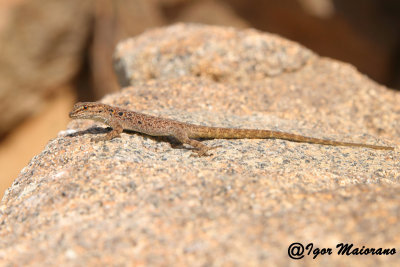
pixel 140 200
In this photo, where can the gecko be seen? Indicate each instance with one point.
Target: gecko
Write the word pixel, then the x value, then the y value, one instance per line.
pixel 120 119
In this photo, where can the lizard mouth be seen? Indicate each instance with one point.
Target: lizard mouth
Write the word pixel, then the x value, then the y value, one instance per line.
pixel 72 114
pixel 75 115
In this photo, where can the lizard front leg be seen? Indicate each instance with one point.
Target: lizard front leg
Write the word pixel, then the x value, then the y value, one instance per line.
pixel 115 132
pixel 201 149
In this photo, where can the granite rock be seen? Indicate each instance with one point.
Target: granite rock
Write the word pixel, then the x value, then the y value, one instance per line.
pixel 140 200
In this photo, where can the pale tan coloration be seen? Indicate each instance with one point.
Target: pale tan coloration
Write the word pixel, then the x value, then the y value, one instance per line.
pixel 119 119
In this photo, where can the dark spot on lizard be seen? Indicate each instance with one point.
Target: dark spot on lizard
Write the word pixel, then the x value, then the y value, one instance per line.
pixel 111 110
pixel 120 113
pixel 139 122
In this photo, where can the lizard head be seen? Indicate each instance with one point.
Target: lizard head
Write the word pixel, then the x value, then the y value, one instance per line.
pixel 89 110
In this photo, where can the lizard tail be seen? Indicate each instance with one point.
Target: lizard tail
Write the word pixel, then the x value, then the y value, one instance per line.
pixel 234 133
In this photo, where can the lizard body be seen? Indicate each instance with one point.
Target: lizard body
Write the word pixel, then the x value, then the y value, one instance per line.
pixel 119 119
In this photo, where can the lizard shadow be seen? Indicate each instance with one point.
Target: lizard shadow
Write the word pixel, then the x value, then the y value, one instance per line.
pixel 91 130
pixel 95 130
pixel 168 139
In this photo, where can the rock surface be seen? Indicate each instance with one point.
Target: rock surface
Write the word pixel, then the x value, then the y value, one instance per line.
pixel 138 200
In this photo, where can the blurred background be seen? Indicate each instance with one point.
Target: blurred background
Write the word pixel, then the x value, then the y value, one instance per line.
pixel 54 53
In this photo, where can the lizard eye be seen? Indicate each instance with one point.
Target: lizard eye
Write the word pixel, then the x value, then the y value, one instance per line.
pixel 84 107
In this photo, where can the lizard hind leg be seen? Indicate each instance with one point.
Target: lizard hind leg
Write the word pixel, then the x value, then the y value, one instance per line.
pixel 200 149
